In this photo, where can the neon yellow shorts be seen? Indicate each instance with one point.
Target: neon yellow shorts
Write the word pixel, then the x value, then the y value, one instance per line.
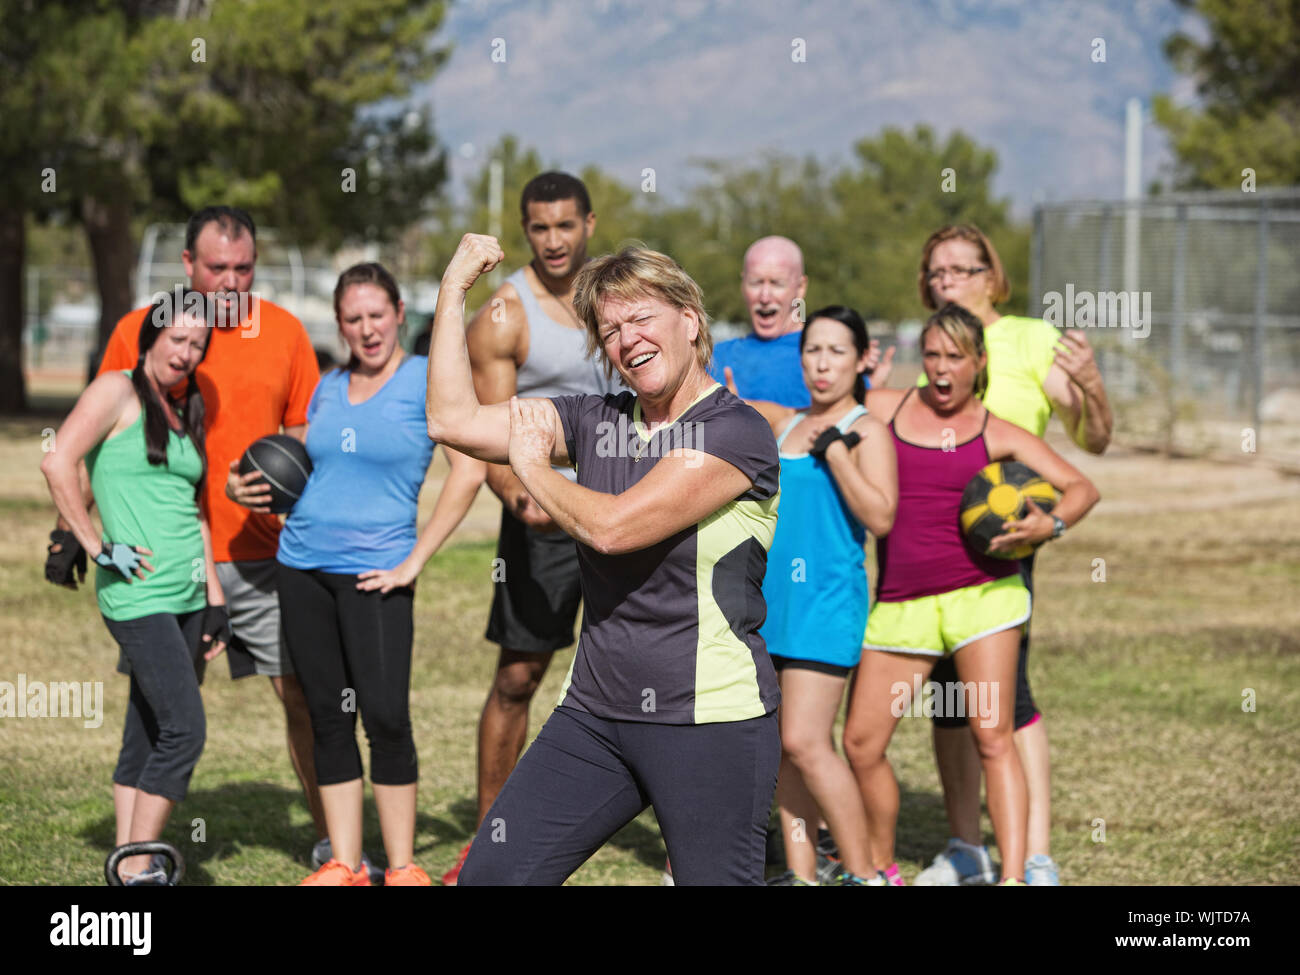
pixel 939 625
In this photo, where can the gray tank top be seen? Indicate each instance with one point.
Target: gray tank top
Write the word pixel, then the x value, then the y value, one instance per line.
pixel 557 363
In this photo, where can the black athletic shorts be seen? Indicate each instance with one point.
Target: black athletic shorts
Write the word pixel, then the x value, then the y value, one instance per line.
pixel 1026 710
pixel 795 663
pixel 537 589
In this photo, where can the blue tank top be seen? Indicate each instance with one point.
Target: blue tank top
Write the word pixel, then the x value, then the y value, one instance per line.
pixel 816 582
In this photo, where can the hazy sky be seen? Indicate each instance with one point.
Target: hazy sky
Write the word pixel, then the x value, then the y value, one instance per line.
pixel 630 84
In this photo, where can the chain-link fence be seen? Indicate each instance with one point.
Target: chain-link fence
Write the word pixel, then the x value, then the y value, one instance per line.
pixel 62 302
pixel 1193 304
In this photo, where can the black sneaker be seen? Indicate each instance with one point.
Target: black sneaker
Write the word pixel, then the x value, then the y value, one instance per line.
pixel 789 879
pixel 828 859
pixel 826 846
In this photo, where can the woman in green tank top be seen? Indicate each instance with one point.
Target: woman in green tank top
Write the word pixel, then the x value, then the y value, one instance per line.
pixel 155 584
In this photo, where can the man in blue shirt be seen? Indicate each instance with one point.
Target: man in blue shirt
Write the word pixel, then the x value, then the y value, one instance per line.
pixel 765 364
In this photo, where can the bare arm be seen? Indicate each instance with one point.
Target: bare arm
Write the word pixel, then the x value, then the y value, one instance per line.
pixel 215 596
pixel 867 475
pixel 1078 395
pixel 92 419
pixel 1078 494
pixel 453 503
pixel 456 417
pixel 681 489
pixel 495 338
pixel 69 566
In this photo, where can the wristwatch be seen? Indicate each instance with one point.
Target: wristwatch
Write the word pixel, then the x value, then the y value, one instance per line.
pixel 1058 527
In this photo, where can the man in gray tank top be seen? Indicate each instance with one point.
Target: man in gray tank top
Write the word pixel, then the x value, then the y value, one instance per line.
pixel 527 340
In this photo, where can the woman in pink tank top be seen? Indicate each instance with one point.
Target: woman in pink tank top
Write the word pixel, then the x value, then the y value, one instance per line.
pixel 936 596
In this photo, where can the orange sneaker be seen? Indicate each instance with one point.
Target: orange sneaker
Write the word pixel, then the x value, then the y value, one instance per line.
pixel 452 876
pixel 337 874
pixel 407 876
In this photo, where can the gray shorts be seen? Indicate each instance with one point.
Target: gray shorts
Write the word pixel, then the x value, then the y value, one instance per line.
pixel 255 619
pixel 254 610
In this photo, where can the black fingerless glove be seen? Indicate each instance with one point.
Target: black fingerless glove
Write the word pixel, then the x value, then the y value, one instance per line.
pixel 828 437
pixel 59 565
pixel 119 556
pixel 216 624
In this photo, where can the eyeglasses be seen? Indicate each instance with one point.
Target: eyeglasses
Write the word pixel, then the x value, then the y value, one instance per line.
pixel 957 273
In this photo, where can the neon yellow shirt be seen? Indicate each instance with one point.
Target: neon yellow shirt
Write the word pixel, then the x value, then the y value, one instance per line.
pixel 1021 351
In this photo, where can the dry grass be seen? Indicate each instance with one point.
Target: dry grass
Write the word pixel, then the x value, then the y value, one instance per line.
pixel 1141 678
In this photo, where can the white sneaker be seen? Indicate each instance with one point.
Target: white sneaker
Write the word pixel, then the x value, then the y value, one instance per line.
pixel 1042 871
pixel 959 865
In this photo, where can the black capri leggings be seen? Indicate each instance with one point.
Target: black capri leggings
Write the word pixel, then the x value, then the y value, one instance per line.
pixel 352 650
pixel 165 728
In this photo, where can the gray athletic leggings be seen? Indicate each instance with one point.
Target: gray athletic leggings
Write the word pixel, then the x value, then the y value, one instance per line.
pixel 165 726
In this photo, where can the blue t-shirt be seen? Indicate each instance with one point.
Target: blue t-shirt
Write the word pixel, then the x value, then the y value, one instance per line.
pixel 764 369
pixel 768 369
pixel 369 459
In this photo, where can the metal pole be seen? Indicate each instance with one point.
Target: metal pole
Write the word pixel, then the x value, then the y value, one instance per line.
pixel 1132 193
pixel 1176 339
pixel 1034 308
pixel 496 200
pixel 1261 309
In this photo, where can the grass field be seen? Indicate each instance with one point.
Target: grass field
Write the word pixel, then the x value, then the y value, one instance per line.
pixel 1142 678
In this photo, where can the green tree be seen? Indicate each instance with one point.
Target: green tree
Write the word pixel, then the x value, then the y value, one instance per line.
pixel 861 226
pixel 147 110
pixel 1248 79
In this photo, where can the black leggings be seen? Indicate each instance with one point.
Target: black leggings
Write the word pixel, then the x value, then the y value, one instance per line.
pixel 352 650
pixel 585 778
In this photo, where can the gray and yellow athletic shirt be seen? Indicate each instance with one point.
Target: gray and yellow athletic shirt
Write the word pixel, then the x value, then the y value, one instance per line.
pixel 670 633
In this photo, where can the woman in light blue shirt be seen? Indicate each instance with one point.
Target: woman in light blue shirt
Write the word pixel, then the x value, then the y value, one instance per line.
pixel 349 557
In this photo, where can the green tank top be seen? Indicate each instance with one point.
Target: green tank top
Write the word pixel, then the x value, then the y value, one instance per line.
pixel 154 508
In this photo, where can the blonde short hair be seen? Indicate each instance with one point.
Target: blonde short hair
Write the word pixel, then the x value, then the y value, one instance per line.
pixel 967 333
pixel 633 273
pixel 988 255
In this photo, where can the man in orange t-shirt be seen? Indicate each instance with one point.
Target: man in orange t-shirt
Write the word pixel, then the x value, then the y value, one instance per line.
pixel 258 376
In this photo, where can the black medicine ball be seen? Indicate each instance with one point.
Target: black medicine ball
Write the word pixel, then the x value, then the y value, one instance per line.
pixel 284 464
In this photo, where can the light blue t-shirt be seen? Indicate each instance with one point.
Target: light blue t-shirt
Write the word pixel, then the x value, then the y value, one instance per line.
pixel 369 459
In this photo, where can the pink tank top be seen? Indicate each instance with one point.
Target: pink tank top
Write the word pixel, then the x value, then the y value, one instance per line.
pixel 925 553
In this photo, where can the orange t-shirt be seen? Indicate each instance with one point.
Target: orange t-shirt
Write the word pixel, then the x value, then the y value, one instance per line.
pixel 255 378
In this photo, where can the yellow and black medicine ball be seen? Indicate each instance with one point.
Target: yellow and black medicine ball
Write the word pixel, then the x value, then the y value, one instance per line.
pixel 998 494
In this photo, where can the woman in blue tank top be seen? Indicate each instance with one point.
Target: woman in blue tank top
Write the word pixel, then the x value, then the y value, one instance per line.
pixel 838 480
